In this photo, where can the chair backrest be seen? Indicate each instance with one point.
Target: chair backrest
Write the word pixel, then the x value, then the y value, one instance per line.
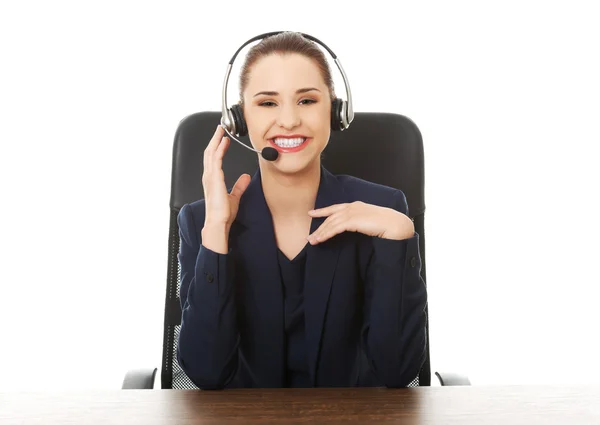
pixel 383 148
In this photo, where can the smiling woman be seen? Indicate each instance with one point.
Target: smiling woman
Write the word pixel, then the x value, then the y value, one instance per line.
pixel 286 104
pixel 297 277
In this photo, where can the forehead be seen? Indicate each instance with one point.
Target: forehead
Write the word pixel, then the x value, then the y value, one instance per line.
pixel 278 72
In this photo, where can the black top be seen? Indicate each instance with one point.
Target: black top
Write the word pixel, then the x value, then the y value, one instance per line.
pixel 292 276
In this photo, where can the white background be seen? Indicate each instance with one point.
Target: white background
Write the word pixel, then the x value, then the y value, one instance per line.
pixel 506 95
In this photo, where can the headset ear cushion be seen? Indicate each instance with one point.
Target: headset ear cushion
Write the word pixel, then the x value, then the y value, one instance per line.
pixel 240 123
pixel 336 114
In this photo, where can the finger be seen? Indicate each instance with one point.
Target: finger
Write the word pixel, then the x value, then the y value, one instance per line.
pixel 220 152
pixel 317 235
pixel 213 144
pixel 213 157
pixel 312 238
pixel 323 212
pixel 240 186
pixel 216 138
pixel 334 228
pixel 214 165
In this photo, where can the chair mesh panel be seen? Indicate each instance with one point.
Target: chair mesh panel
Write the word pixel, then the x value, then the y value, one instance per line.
pixel 172 309
pixel 180 380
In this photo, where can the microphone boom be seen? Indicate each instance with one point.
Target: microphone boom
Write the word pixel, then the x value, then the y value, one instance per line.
pixel 268 153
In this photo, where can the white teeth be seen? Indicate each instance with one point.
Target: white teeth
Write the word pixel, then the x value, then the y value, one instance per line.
pixel 289 143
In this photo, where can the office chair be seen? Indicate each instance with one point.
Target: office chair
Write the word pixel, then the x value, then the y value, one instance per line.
pixel 384 148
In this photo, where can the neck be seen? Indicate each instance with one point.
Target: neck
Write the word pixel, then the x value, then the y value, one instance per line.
pixel 290 195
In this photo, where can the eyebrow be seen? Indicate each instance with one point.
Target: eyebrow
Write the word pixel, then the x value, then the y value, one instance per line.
pixel 274 93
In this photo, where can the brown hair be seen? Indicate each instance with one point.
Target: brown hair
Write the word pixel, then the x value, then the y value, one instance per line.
pixel 284 43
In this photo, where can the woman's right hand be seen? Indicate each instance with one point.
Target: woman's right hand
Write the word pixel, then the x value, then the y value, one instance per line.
pixel 221 206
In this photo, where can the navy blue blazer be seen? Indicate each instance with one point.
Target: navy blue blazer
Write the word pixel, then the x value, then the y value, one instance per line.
pixel 364 298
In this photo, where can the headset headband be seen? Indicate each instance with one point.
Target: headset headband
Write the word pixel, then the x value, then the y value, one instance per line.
pixel 346 118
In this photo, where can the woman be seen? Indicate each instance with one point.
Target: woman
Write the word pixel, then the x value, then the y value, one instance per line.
pixel 296 277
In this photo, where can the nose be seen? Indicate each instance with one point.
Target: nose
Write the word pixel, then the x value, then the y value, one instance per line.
pixel 288 117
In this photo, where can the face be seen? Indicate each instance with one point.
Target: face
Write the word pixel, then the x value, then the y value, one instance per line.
pixel 287 106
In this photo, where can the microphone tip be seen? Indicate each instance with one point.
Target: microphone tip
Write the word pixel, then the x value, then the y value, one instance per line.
pixel 270 154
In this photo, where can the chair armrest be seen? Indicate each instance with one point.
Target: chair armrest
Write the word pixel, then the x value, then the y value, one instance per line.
pixel 452 379
pixel 139 379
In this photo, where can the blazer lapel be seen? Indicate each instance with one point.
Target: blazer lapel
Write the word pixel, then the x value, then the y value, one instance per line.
pixel 256 240
pixel 321 263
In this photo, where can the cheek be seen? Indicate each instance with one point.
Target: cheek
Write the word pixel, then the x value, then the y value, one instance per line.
pixel 319 118
pixel 257 121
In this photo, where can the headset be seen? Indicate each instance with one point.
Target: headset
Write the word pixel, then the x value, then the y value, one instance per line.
pixel 232 119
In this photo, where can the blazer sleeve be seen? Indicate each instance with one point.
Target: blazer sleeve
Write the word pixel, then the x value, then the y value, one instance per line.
pixel 394 327
pixel 207 348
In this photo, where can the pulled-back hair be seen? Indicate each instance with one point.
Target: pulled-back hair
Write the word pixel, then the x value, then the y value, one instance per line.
pixel 285 43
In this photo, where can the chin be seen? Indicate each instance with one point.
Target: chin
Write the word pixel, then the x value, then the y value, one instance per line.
pixel 286 164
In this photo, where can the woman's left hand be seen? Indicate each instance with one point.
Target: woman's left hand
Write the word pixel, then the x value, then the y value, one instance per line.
pixel 364 218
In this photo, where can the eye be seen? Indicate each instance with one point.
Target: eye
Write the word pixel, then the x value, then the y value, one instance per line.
pixel 270 104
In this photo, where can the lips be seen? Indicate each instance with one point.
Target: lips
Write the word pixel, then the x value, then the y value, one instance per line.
pixel 292 144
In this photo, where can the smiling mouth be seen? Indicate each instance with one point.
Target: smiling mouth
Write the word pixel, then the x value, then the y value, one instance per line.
pixel 289 145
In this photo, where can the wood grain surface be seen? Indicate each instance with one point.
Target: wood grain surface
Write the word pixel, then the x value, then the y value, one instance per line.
pixel 506 405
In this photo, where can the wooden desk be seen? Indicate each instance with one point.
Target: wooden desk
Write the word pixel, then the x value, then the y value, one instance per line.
pixel 414 406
